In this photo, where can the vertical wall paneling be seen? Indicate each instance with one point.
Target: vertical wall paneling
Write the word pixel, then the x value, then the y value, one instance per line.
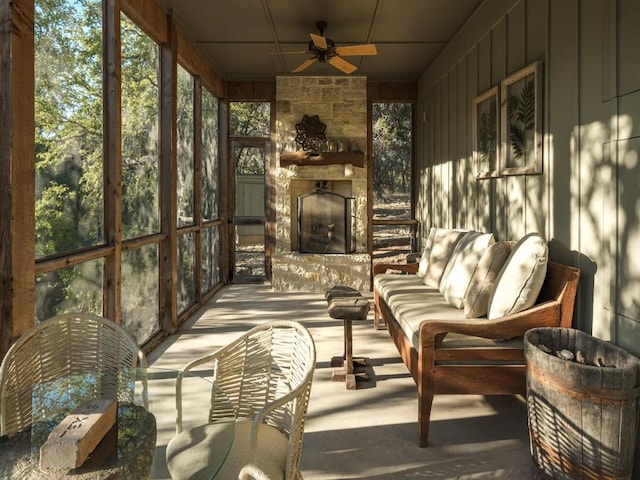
pixel 536 208
pixel 486 188
pixel 628 261
pixel 446 181
pixel 628 173
pixel 436 159
pixel 473 187
pixel 464 160
pixel 498 72
pixel 589 137
pixel 610 221
pixel 628 40
pixel 452 147
pixel 585 201
pixel 563 112
pixel 516 191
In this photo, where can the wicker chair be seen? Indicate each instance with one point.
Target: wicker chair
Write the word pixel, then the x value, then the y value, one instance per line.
pixel 262 383
pixel 90 353
pixel 251 472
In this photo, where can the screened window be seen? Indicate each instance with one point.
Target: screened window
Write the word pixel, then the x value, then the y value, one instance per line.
pixel 75 267
pixel 140 301
pixel 185 153
pixel 140 131
pixel 72 289
pixel 186 265
pixel 68 119
pixel 393 225
pixel 210 163
pixel 392 138
pixel 140 108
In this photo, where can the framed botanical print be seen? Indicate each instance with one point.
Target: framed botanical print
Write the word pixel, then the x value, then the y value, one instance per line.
pixel 521 122
pixel 484 110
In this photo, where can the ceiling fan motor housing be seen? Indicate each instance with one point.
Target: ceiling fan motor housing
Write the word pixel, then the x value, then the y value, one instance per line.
pixel 323 54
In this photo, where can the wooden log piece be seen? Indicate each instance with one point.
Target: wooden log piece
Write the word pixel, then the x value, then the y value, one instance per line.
pixel 76 436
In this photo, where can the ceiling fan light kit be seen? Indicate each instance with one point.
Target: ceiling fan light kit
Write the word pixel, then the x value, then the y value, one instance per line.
pixel 324 50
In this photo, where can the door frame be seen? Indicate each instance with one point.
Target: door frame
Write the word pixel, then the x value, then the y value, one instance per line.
pixel 268 221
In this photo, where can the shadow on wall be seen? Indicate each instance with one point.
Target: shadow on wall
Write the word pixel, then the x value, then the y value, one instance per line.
pixel 583 311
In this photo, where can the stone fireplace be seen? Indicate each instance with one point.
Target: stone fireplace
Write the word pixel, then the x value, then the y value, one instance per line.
pixel 341 105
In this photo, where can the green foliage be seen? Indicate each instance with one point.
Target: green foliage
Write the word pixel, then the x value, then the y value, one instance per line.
pixel 521 110
pixel 210 164
pixel 250 119
pixel 139 131
pixel 392 138
pixel 68 50
pixel 185 129
pixel 487 135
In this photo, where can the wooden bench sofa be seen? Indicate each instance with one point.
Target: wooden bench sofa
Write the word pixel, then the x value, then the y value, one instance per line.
pixel 448 353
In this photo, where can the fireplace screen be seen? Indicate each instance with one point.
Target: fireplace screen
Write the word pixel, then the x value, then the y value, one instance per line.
pixel 325 223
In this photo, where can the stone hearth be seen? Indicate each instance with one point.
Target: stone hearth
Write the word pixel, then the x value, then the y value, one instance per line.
pixel 341 104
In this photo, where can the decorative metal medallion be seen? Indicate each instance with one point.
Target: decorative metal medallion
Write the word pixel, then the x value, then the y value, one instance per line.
pixel 310 133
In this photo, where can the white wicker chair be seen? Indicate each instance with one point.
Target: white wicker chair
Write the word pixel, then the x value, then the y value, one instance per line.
pixel 92 353
pixel 252 472
pixel 262 381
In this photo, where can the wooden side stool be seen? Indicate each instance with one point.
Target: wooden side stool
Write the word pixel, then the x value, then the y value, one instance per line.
pixel 347 304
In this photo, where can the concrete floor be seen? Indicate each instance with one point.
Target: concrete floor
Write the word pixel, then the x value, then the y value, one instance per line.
pixel 368 433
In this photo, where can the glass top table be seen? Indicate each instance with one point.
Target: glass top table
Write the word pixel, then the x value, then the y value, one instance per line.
pixel 134 448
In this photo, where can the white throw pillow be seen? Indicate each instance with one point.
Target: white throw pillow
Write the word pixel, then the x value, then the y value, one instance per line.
pixel 463 261
pixel 520 279
pixel 426 251
pixel 483 280
pixel 444 241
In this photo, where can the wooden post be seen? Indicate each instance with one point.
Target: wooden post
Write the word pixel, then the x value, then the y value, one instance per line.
pixel 17 171
pixel 112 159
pixel 168 175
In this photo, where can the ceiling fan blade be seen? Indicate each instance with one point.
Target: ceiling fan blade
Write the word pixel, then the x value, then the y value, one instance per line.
pixel 368 49
pixel 304 65
pixel 319 41
pixel 289 53
pixel 341 64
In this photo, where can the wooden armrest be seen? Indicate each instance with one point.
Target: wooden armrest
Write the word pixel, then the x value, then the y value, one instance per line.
pixel 403 267
pixel 546 314
pixel 413 257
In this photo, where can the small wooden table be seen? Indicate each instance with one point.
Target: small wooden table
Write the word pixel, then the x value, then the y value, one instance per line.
pixel 131 450
pixel 126 451
pixel 347 304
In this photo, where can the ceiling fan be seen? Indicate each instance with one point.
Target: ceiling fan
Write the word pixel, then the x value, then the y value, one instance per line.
pixel 324 50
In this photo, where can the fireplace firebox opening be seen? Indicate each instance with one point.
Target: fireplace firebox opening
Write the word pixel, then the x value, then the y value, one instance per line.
pixel 326 221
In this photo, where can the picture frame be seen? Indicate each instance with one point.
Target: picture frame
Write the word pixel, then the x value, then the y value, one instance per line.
pixel 521 122
pixel 485 120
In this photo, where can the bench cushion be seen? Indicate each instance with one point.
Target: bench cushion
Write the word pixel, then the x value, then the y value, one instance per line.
pixel 389 284
pixel 426 252
pixel 411 302
pixel 520 279
pixel 444 241
pixel 464 259
pixel 482 283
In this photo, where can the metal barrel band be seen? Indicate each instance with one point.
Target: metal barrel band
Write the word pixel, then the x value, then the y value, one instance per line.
pixel 583 391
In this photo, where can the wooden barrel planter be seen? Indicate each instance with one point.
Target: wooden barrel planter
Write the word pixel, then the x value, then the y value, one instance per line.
pixel 582 415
